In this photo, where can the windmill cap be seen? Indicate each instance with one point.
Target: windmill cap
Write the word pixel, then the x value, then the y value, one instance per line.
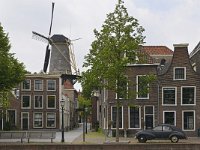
pixel 59 38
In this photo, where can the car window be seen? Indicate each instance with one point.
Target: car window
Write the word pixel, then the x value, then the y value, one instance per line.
pixel 166 128
pixel 158 128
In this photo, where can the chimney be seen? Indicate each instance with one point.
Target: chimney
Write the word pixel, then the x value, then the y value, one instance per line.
pixel 180 53
pixel 181 45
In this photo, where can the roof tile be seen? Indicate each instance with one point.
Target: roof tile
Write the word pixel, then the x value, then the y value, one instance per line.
pixel 157 50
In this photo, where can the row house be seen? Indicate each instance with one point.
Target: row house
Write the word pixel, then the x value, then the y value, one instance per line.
pixel 35 104
pixel 9 117
pixel 173 97
pixel 40 95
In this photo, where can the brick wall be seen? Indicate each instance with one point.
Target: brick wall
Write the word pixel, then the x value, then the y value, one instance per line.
pixel 116 146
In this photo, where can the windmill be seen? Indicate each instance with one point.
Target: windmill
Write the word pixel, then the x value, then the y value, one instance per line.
pixel 61 54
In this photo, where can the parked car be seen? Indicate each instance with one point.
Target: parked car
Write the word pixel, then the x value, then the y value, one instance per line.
pixel 163 131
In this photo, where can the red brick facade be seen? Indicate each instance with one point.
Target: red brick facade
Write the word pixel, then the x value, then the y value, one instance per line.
pixel 169 96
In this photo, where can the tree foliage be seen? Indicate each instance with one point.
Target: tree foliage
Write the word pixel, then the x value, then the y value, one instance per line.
pixel 12 72
pixel 114 47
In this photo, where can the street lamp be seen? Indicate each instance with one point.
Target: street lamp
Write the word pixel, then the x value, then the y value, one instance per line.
pixel 62 103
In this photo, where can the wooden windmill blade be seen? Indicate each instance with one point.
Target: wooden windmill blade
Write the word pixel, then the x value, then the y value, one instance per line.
pixel 43 38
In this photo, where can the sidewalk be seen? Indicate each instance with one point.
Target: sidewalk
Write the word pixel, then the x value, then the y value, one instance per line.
pixel 76 137
pixel 69 137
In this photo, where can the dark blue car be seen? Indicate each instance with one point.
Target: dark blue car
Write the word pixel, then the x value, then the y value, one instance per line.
pixel 163 131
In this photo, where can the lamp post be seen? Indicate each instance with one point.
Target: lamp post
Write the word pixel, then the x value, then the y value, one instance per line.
pixel 86 111
pixel 62 103
pixel 84 123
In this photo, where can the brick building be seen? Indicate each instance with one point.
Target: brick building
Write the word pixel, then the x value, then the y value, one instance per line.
pixel 172 98
pixel 35 104
pixel 40 95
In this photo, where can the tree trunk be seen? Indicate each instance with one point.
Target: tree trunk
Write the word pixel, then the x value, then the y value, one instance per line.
pixel 117 121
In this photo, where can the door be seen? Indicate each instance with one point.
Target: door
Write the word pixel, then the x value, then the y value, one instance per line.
pixel 149 117
pixel 11 117
pixel 25 121
pixel 149 121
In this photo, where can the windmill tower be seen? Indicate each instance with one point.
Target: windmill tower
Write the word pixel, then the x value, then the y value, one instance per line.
pixel 61 55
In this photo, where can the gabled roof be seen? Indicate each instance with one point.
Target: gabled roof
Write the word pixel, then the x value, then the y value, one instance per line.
pixel 154 54
pixel 157 50
pixel 195 50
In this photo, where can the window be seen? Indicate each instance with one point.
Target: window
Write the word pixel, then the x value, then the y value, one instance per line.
pixel 134 117
pixel 25 120
pixel 169 117
pixel 26 84
pixel 114 114
pixel 51 101
pixel 158 128
pixel 51 120
pixel 166 128
pixel 169 96
pixel 122 88
pixel 142 87
pixel 37 120
pixel 38 102
pixel 188 95
pixel 51 85
pixel 180 73
pixel 149 117
pixel 38 85
pixel 11 117
pixel 131 56
pixel 26 101
pixel 188 120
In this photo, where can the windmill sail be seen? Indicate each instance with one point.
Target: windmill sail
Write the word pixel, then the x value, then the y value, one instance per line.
pixel 61 56
pixel 46 61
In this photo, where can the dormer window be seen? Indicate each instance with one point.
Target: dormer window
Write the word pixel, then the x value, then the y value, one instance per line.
pixel 180 73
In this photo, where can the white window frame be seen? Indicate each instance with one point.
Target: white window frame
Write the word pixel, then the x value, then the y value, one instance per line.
pixel 184 73
pixel 23 86
pixel 54 84
pixel 183 119
pixel 138 88
pixel 47 119
pixel 170 111
pixel 42 102
pixel 35 86
pixel 175 104
pixel 29 102
pixel 182 95
pixel 34 120
pixel 119 114
pixel 22 119
pixel 48 100
pixel 139 118
pixel 126 89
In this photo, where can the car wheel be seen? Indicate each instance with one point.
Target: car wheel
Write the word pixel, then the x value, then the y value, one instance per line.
pixel 142 139
pixel 174 139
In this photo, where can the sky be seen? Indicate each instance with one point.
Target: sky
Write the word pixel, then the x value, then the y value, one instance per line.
pixel 166 22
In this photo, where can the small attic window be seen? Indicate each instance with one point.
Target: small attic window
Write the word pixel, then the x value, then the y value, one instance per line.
pixel 162 62
pixel 179 73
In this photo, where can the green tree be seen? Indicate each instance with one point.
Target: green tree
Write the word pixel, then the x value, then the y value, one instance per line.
pixel 114 47
pixel 12 72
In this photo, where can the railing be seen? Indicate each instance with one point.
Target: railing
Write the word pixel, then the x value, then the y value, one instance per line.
pixel 28 135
